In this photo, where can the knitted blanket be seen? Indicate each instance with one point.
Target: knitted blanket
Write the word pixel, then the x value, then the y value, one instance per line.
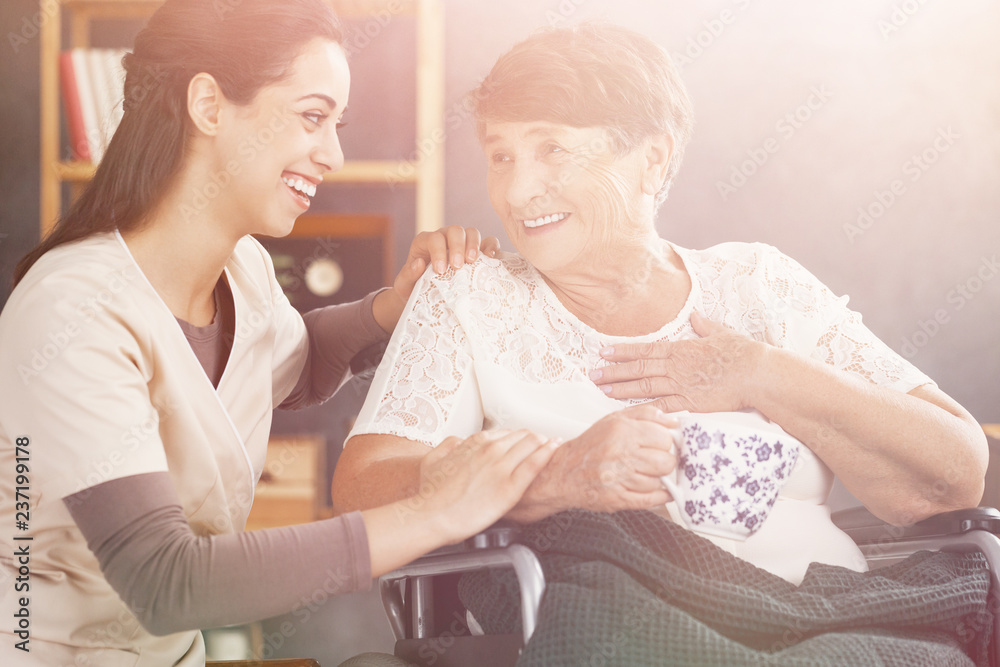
pixel 635 589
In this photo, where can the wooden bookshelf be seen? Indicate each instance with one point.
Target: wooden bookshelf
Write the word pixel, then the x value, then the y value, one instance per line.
pixel 426 174
pixel 292 485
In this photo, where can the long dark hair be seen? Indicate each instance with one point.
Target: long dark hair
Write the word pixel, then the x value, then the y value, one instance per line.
pixel 244 44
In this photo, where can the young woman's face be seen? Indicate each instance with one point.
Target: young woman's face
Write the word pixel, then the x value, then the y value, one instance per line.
pixel 564 197
pixel 277 148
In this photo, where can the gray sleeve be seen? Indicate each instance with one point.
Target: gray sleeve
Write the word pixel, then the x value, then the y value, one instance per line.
pixel 336 334
pixel 174 580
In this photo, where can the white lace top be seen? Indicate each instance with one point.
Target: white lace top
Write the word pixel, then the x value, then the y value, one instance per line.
pixel 490 345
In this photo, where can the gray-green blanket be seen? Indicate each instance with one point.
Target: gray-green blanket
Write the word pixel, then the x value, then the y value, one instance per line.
pixel 634 589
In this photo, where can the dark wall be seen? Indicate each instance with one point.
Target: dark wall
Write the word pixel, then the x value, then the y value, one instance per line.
pixel 18 135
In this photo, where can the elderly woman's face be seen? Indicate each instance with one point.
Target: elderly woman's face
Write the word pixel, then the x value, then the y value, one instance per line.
pixel 563 195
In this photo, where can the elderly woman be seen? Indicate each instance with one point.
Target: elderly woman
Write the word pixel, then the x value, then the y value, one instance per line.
pixel 583 130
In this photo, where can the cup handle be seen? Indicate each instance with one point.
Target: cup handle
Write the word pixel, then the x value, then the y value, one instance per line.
pixel 677 433
pixel 672 486
pixel 669 481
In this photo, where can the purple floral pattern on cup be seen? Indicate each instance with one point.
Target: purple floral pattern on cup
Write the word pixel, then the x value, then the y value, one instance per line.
pixel 730 475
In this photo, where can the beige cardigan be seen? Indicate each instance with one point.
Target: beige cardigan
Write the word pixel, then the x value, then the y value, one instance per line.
pixel 97 373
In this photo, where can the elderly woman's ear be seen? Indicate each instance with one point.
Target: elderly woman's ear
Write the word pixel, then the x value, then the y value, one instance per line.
pixel 659 149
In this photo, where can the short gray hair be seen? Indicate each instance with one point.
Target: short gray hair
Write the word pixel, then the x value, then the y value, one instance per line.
pixel 591 75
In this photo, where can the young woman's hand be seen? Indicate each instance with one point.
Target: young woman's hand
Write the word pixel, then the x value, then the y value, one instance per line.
pixel 470 484
pixel 465 486
pixel 449 246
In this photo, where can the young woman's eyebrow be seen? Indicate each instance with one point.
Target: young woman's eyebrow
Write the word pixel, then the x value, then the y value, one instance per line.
pixel 332 103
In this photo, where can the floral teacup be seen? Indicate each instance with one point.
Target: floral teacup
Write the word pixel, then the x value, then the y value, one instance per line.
pixel 730 468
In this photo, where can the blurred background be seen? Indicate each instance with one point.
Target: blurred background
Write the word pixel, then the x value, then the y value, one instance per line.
pixel 855 96
pixel 860 137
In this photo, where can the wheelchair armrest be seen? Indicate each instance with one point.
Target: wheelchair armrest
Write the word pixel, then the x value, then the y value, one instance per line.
pixel 500 535
pixel 974 529
pixel 301 662
pixel 495 547
pixel 865 528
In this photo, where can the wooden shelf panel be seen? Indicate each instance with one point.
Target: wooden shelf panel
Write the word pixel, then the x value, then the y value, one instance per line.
pixel 354 171
pixel 344 226
pixel 359 9
pixel 117 5
pixel 346 9
pixel 374 171
pixel 109 6
pixel 290 488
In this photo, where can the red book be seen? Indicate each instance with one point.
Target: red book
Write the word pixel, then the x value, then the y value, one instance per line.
pixel 74 112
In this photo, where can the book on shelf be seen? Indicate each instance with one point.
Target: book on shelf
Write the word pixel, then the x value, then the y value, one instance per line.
pixel 92 87
pixel 74 109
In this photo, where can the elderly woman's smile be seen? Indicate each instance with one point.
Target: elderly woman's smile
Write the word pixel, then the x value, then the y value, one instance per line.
pixel 545 220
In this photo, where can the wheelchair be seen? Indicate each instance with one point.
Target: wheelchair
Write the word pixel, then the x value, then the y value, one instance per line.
pixel 408 594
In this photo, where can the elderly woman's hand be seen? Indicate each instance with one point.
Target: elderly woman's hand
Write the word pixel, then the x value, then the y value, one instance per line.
pixel 714 373
pixel 449 246
pixel 615 464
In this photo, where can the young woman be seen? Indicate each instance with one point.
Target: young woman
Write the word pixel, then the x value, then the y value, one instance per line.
pixel 147 341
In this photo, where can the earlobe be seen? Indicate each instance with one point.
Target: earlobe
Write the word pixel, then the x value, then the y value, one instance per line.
pixel 204 103
pixel 659 152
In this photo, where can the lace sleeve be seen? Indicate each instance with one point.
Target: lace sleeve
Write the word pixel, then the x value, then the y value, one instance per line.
pixel 807 316
pixel 426 388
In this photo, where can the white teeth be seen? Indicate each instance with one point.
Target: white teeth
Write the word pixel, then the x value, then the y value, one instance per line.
pixel 546 219
pixel 304 187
